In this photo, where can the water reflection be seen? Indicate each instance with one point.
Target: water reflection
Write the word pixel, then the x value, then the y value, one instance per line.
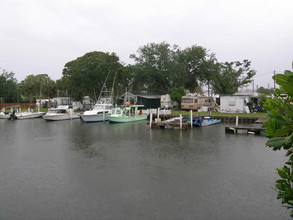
pixel 69 170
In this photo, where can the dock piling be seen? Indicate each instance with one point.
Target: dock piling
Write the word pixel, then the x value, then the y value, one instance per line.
pixel 151 119
pixel 191 119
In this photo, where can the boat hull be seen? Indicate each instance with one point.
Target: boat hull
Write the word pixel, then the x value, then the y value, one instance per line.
pixel 126 119
pixel 5 116
pixel 207 123
pixel 94 118
pixel 60 117
pixel 29 115
pixel 213 122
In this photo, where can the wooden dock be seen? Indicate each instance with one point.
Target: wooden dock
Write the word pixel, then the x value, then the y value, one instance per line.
pixel 174 123
pixel 255 128
pixel 170 125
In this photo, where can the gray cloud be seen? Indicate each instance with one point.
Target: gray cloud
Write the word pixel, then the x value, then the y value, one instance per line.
pixel 41 36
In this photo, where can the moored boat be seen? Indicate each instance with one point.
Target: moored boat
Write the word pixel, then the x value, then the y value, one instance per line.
pixel 205 121
pixel 62 112
pixel 127 114
pixel 4 115
pixel 99 112
pixel 102 108
pixel 29 115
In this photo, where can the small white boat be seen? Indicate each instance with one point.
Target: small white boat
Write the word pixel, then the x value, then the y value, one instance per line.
pixel 4 115
pixel 99 112
pixel 62 112
pixel 29 115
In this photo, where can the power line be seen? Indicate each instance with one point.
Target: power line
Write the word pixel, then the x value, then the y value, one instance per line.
pixel 264 74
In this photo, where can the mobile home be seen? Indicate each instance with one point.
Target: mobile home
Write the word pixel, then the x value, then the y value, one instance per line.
pixel 195 102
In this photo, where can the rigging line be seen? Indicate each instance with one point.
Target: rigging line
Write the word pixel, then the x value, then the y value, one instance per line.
pixel 264 74
pixel 104 85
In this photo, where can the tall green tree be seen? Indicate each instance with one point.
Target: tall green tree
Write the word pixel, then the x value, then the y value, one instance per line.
pixel 8 86
pixel 44 85
pixel 38 86
pixel 232 75
pixel 86 75
pixel 196 63
pixel 157 67
pixel 161 67
pixel 279 130
pixel 176 94
pixel 28 87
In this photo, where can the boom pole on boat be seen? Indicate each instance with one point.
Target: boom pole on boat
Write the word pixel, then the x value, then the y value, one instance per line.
pixel 104 85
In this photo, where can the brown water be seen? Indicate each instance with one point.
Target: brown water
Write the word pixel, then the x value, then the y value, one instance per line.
pixel 72 170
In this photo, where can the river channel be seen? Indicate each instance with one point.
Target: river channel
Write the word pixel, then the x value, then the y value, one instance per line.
pixel 72 170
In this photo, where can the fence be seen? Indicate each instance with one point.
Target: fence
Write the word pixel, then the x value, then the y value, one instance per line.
pixel 17 105
pixel 154 111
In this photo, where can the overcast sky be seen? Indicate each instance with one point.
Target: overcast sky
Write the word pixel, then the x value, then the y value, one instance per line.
pixel 41 36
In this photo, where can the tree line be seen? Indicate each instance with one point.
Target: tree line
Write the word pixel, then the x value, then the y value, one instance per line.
pixel 158 68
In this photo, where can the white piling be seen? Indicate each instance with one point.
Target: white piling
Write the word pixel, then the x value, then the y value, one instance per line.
pixel 180 122
pixel 191 119
pixel 236 121
pixel 158 115
pixel 104 118
pixel 151 119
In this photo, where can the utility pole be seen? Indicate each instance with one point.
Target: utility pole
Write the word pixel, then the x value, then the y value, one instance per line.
pixel 274 80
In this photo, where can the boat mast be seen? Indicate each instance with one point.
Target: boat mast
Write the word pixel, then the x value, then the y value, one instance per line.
pixel 112 92
pixel 104 85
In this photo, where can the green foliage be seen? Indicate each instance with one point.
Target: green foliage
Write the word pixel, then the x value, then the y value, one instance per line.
pixel 176 94
pixel 38 86
pixel 279 130
pixel 157 68
pixel 8 86
pixel 86 75
pixel 265 91
pixel 232 75
pixel 160 67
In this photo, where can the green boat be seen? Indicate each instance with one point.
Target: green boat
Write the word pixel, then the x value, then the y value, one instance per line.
pixel 127 114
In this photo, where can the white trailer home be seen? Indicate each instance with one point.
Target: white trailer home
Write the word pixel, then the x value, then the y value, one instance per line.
pixel 234 103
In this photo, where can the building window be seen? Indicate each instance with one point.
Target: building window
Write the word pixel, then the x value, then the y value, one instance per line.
pixel 187 100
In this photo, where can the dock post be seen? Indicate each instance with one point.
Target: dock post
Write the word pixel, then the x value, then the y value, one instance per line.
pixel 236 121
pixel 180 122
pixel 151 119
pixel 158 114
pixel 104 118
pixel 191 119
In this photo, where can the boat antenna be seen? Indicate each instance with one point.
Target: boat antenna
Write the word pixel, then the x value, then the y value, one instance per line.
pixel 95 95
pixel 104 85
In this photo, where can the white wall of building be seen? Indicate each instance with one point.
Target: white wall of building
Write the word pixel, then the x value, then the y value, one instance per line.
pixel 234 104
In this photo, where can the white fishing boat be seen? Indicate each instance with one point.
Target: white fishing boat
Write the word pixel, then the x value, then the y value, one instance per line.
pixel 99 112
pixel 102 108
pixel 62 112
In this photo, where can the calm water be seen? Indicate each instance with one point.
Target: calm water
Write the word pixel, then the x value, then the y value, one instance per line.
pixel 72 170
